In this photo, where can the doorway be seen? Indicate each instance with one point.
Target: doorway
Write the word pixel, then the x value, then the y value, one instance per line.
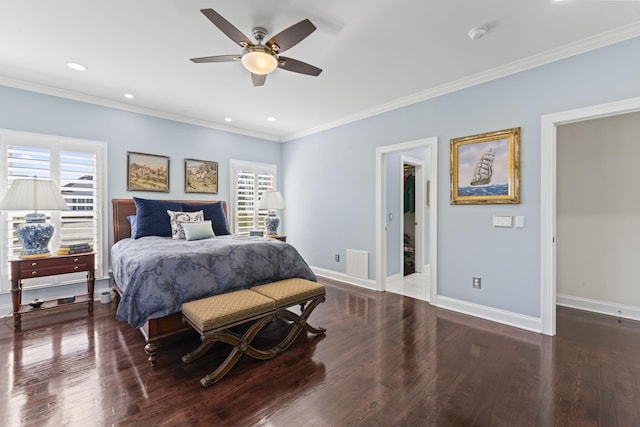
pixel 548 196
pixel 384 250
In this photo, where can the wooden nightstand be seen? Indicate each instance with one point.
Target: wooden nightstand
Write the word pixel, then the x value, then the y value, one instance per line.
pixel 50 266
pixel 281 238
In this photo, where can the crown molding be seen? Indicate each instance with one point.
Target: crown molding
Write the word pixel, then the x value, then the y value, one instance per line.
pixel 106 102
pixel 595 42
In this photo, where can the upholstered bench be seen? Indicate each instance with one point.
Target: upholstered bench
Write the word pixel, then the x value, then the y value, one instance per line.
pixel 213 317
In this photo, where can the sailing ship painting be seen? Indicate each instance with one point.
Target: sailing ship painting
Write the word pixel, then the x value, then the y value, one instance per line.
pixel 483 169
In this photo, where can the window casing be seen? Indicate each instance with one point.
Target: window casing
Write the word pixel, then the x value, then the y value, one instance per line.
pixel 78 169
pixel 249 180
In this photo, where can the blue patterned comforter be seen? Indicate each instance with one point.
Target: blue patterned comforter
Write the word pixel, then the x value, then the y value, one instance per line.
pixel 158 274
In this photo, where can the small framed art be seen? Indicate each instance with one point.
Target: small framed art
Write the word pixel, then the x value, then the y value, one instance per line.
pixel 147 172
pixel 200 176
pixel 485 168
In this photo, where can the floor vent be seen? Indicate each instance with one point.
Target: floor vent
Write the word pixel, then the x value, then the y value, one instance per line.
pixel 358 263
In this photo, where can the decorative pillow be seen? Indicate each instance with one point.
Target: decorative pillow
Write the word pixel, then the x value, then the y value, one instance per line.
pixel 178 219
pixel 152 218
pixel 212 212
pixel 198 230
pixel 132 223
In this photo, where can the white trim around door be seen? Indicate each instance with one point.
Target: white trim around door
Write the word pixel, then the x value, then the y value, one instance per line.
pixel 548 195
pixel 380 232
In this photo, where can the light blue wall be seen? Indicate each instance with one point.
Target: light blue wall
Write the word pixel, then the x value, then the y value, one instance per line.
pixel 329 177
pixel 125 131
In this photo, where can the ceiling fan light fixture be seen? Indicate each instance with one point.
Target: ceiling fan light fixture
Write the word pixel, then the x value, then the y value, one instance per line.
pixel 259 60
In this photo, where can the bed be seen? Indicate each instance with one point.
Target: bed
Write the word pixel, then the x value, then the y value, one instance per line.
pixel 154 276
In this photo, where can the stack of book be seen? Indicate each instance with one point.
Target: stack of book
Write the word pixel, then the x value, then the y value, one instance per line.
pixel 74 248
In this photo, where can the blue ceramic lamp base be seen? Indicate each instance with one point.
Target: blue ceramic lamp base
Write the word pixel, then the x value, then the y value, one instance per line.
pixel 34 235
pixel 271 223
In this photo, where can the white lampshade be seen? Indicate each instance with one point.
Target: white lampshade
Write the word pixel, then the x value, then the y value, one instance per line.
pixel 33 195
pixel 271 200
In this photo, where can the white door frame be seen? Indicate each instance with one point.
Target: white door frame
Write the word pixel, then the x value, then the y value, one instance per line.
pixel 548 196
pixel 381 197
pixel 419 211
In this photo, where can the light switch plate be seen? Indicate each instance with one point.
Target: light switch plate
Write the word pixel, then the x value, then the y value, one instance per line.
pixel 519 221
pixel 502 221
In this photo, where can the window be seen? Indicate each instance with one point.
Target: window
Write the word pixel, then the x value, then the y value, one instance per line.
pixel 249 181
pixel 77 167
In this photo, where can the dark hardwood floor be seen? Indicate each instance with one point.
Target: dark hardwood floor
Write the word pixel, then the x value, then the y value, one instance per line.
pixel 386 360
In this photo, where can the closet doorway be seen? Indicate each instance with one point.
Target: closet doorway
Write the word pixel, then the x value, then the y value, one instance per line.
pixel 412 241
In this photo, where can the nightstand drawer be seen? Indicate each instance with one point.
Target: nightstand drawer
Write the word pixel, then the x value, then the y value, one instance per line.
pixel 50 266
pixel 50 271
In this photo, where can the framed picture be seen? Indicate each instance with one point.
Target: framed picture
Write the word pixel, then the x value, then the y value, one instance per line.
pixel 147 172
pixel 485 168
pixel 200 176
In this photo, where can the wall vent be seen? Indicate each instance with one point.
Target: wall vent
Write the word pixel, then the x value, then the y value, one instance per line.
pixel 358 263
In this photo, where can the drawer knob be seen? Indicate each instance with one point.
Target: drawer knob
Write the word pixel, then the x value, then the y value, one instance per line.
pixel 33 264
pixel 33 273
pixel 75 260
pixel 76 267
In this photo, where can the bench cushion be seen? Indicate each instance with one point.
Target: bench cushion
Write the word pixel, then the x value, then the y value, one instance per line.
pixel 290 291
pixel 226 309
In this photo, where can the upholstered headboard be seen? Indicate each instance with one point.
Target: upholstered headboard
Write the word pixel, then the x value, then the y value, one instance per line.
pixel 122 208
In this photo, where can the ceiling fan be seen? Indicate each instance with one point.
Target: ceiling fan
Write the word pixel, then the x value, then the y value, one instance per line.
pixel 261 59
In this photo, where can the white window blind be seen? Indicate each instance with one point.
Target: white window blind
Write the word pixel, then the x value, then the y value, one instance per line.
pixel 76 166
pixel 250 180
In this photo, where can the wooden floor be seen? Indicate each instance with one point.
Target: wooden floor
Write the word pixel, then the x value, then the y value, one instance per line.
pixel 385 360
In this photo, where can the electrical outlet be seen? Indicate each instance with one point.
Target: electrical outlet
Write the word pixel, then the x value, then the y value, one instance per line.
pixel 337 257
pixel 477 282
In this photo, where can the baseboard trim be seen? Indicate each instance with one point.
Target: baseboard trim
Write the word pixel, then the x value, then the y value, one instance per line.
pixel 601 307
pixel 521 321
pixel 342 277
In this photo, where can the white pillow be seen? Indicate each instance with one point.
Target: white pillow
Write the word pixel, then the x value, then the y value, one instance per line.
pixel 198 230
pixel 178 219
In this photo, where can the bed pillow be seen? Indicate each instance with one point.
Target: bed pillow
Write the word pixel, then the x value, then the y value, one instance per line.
pixel 198 230
pixel 132 224
pixel 178 219
pixel 212 212
pixel 152 218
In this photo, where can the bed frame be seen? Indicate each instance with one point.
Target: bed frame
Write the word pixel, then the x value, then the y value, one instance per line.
pixel 155 330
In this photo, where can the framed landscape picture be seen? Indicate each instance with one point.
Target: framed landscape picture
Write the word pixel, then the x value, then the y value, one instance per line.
pixel 485 168
pixel 200 176
pixel 147 172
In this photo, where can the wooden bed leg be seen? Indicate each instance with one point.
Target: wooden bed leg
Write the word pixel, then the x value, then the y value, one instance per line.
pixel 152 349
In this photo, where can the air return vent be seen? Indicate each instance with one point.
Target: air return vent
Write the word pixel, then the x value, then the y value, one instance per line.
pixel 358 263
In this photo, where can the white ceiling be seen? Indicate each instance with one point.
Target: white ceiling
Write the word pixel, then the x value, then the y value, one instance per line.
pixel 376 54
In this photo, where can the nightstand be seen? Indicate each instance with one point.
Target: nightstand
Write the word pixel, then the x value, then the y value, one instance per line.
pixel 281 238
pixel 22 269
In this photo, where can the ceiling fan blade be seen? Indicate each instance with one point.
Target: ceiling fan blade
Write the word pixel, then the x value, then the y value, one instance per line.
pixel 296 66
pixel 218 58
pixel 226 27
pixel 291 36
pixel 258 79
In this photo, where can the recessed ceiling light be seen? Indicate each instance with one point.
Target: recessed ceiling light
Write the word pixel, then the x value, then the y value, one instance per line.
pixel 128 95
pixel 271 119
pixel 76 66
pixel 227 119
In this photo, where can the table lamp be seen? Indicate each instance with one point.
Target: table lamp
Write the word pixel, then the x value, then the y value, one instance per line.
pixel 271 200
pixel 36 194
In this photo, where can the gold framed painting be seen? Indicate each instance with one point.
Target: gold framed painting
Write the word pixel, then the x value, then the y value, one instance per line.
pixel 200 176
pixel 485 168
pixel 147 172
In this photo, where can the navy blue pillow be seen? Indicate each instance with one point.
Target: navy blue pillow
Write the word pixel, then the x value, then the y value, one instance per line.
pixel 212 212
pixel 152 218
